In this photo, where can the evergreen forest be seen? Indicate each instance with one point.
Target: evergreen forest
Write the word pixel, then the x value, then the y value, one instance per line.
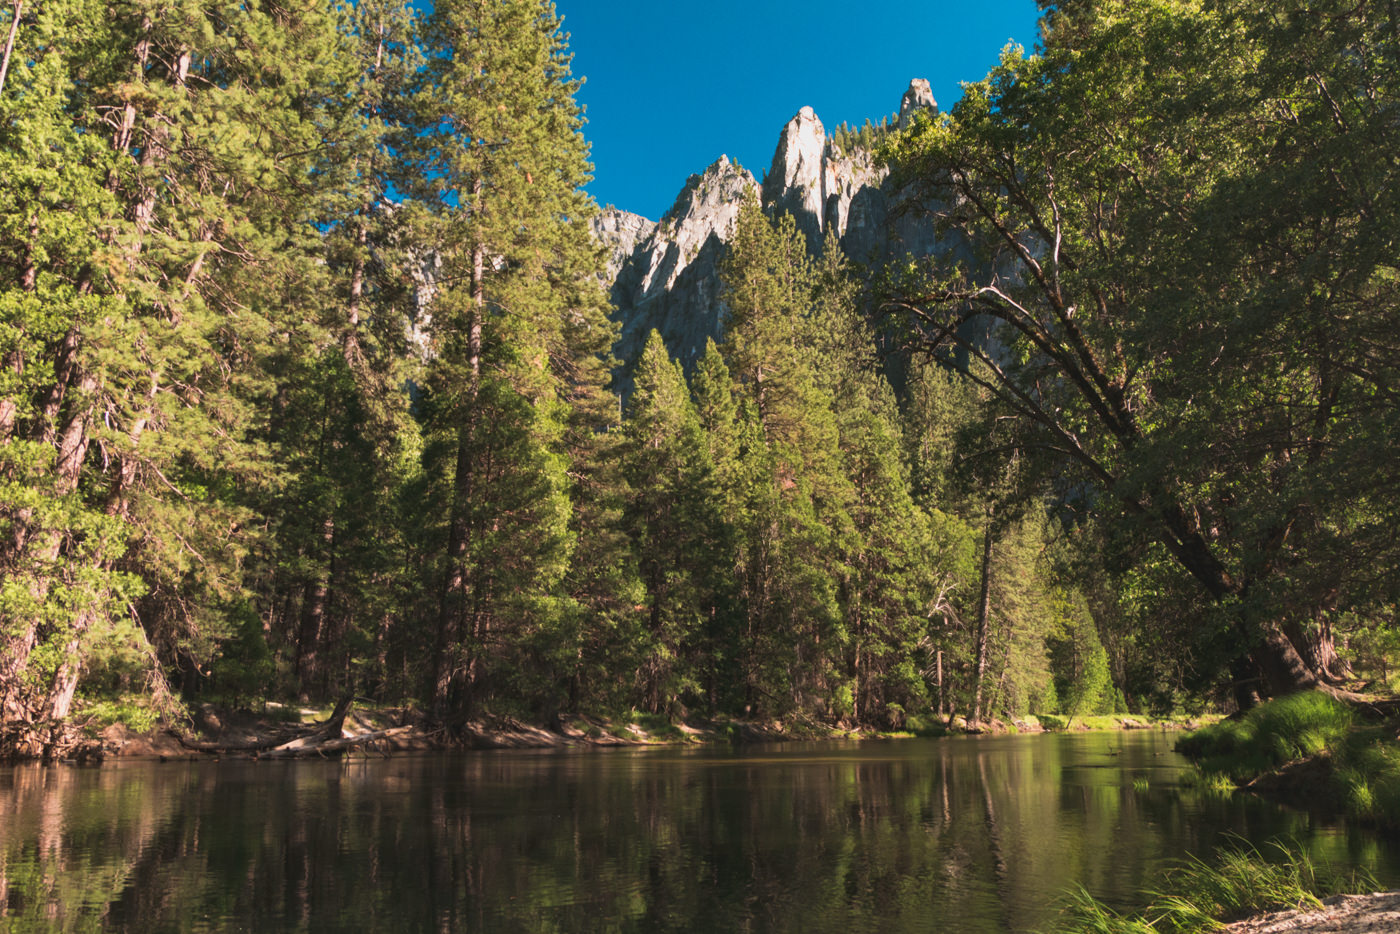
pixel 306 384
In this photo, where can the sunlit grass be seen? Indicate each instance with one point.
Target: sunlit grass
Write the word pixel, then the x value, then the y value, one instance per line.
pixel 1359 763
pixel 1270 735
pixel 1081 913
pixel 1211 783
pixel 136 711
pixel 1196 896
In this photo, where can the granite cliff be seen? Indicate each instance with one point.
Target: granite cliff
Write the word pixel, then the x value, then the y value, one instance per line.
pixel 665 275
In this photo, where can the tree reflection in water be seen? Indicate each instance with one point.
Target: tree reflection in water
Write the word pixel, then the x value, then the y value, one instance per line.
pixel 969 835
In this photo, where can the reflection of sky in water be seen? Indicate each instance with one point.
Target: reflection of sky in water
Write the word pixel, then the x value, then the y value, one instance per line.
pixel 963 834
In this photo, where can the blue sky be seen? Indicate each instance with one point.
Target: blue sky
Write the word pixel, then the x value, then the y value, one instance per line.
pixel 673 84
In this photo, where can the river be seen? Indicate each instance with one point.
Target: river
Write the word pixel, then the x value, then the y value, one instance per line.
pixel 963 835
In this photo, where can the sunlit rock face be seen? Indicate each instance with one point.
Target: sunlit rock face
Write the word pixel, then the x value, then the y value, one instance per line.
pixel 666 275
pixel 918 97
pixel 796 179
pixel 670 278
pixel 620 232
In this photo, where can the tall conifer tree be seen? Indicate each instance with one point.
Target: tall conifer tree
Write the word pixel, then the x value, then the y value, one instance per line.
pixel 499 153
pixel 129 428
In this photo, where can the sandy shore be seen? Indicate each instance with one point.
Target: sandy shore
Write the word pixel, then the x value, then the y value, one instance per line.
pixel 1343 914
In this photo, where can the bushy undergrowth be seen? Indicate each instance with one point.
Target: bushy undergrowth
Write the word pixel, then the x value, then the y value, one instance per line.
pixel 1270 735
pixel 1197 897
pixel 925 725
pixel 134 710
pixel 1364 758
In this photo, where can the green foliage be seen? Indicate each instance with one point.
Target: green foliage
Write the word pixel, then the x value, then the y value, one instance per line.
pixel 1159 208
pixel 244 666
pixel 133 711
pixel 1270 735
pixel 1083 683
pixel 679 536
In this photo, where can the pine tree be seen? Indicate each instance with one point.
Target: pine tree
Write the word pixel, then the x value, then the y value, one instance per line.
pixel 798 524
pixel 499 154
pixel 128 429
pixel 675 523
pixel 733 445
pixel 340 428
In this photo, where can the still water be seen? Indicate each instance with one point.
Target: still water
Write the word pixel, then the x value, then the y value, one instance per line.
pixel 963 835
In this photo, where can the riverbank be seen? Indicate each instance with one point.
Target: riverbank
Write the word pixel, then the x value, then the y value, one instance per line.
pixel 284 731
pixel 1308 749
pixel 1247 891
pixel 1377 913
pixel 279 731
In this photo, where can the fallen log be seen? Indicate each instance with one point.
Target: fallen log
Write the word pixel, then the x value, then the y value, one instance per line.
pixel 328 729
pixel 251 746
pixel 307 746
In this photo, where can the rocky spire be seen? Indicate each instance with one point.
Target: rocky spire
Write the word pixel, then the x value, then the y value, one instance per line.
pixel 666 275
pixel 918 97
pixel 794 182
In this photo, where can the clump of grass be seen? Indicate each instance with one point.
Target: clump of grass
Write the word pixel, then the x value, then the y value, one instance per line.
pixel 1200 896
pixel 1211 783
pixel 1270 735
pixel 1361 769
pixel 1140 784
pixel 1366 776
pixel 1081 913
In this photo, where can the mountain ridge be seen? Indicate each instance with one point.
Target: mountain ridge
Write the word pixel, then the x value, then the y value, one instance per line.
pixel 664 275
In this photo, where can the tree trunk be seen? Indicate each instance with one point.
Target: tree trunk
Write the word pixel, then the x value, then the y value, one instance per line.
pixel 938 668
pixel 1245 682
pixel 453 604
pixel 10 43
pixel 984 614
pixel 313 612
pixel 1284 668
pixel 1285 671
pixel 1316 645
pixel 23 706
pixel 9 406
pixel 351 344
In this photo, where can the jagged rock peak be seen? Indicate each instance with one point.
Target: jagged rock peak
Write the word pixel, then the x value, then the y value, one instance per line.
pixel 794 181
pixel 620 232
pixel 722 183
pixel 918 97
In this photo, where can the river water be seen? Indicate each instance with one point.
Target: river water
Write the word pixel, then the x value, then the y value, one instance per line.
pixel 963 835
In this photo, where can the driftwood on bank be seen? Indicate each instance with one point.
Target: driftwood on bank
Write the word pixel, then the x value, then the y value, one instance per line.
pixel 317 739
pixel 309 746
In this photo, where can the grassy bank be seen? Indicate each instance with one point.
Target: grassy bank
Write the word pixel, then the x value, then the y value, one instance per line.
pixel 1307 747
pixel 1197 897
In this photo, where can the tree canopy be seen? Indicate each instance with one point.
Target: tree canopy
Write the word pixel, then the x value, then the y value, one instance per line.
pixel 1188 263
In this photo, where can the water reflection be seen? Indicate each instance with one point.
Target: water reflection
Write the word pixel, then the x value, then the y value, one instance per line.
pixel 964 835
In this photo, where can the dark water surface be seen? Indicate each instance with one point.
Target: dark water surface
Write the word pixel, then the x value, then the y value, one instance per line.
pixel 960 835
